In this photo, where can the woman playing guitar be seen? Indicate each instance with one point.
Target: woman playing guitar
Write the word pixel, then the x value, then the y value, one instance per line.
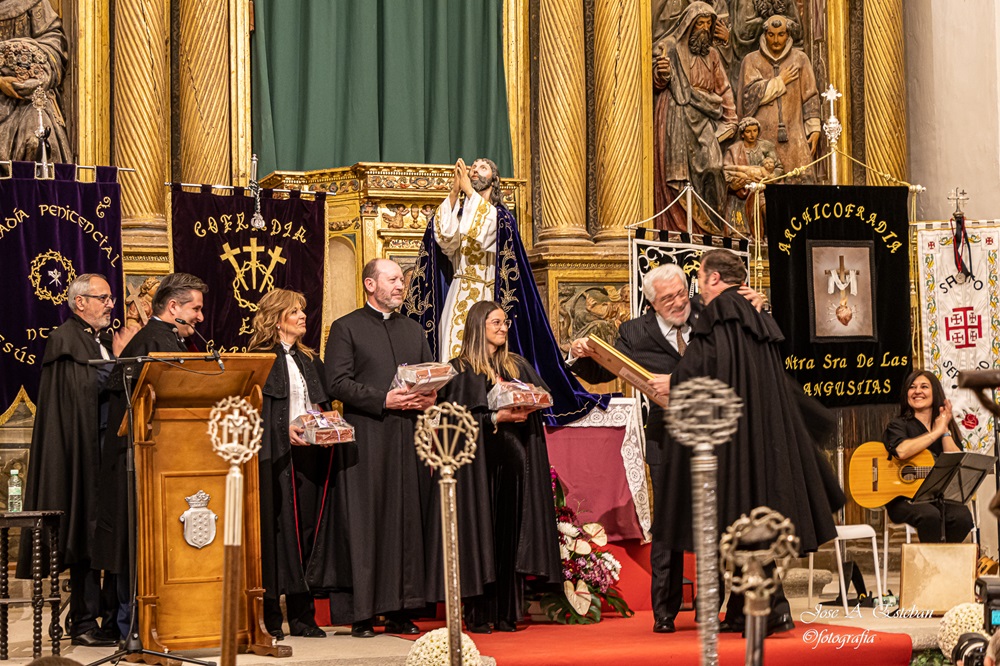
pixel 925 423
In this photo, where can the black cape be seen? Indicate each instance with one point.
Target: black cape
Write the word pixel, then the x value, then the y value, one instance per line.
pixel 369 549
pixel 519 447
pixel 65 447
pixel 773 459
pixel 110 551
pixel 292 480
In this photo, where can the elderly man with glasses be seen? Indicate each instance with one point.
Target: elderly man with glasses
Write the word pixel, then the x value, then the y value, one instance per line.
pixel 65 446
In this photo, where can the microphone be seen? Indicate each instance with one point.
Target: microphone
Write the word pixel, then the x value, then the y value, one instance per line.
pixel 978 379
pixel 211 350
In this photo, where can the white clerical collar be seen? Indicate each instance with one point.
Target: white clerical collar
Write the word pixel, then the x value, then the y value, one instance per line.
pixel 385 315
pixel 286 345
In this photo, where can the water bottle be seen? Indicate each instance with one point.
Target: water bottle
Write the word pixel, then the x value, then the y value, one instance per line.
pixel 14 492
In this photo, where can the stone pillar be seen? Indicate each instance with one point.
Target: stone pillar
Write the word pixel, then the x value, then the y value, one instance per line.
pixel 204 91
pixel 619 99
pixel 562 124
pixel 141 118
pixel 885 89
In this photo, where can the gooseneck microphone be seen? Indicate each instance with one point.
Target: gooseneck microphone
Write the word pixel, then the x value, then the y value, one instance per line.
pixel 209 348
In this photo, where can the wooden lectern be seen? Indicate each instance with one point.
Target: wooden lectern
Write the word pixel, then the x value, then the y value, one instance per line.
pixel 181 491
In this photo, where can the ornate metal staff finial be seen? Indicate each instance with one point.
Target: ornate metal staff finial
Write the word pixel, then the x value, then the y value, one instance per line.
pixel 257 221
pixel 751 543
pixel 445 440
pixel 832 128
pixel 38 100
pixel 703 413
pixel 235 430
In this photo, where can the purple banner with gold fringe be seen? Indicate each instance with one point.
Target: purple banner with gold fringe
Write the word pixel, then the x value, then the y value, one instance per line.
pixel 51 231
pixel 213 238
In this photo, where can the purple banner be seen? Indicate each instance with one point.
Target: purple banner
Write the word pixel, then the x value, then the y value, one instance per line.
pixel 51 231
pixel 213 239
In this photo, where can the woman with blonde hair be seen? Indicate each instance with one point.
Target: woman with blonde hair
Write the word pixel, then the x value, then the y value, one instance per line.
pixel 507 521
pixel 292 474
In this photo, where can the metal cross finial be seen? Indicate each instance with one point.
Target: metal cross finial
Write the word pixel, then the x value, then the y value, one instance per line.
pixel 257 221
pixel 831 95
pixel 959 197
pixel 832 127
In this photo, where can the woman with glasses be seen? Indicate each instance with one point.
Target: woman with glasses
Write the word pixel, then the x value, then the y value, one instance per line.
pixel 507 522
pixel 293 474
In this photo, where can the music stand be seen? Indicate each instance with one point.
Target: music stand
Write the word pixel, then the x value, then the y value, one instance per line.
pixel 955 477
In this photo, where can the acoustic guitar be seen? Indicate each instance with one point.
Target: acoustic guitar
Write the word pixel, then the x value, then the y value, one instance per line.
pixel 874 478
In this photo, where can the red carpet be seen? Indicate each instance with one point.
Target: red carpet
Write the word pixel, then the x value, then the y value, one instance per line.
pixel 630 641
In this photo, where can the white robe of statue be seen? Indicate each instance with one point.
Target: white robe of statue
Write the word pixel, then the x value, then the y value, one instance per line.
pixel 469 241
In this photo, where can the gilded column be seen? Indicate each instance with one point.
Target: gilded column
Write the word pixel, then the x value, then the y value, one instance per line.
pixel 618 78
pixel 885 88
pixel 141 117
pixel 562 123
pixel 93 94
pixel 838 42
pixel 204 87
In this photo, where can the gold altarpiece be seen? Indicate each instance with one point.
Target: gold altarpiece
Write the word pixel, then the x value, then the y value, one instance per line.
pixel 576 237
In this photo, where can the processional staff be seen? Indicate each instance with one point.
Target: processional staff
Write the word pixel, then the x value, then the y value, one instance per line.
pixel 439 432
pixel 703 413
pixel 750 544
pixel 235 430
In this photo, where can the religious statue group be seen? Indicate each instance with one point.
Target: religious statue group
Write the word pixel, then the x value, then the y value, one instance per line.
pixel 735 102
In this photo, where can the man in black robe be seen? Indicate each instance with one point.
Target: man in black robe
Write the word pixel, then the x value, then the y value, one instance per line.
pixel 773 459
pixel 369 550
pixel 65 447
pixel 656 341
pixel 179 297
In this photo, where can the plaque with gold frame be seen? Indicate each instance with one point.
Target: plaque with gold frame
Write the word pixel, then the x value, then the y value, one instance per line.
pixel 625 368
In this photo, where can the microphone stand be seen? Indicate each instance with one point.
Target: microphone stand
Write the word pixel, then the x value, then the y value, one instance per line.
pixel 133 643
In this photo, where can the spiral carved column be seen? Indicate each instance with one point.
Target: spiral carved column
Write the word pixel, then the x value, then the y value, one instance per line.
pixel 885 91
pixel 562 123
pixel 203 83
pixel 141 117
pixel 619 99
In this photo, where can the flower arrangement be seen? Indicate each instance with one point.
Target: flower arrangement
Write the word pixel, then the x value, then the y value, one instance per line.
pixel 589 574
pixel 431 649
pixel 961 619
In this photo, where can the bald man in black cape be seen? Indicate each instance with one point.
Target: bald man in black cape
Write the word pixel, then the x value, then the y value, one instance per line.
pixel 369 550
pixel 773 459
pixel 65 448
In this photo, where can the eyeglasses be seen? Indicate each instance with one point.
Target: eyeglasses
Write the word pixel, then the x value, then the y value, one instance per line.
pixel 103 298
pixel 499 323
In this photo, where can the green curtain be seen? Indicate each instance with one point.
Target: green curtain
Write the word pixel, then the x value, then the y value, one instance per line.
pixel 342 81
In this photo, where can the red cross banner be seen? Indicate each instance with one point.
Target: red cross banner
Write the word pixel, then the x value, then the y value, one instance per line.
pixel 960 317
pixel 215 239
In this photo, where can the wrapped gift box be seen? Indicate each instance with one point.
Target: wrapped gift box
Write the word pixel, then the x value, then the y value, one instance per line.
pixel 423 377
pixel 324 428
pixel 518 394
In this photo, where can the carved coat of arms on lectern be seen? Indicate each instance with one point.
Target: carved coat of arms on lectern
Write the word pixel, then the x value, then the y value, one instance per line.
pixel 199 521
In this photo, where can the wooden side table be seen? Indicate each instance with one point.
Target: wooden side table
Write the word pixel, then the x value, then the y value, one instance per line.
pixel 38 522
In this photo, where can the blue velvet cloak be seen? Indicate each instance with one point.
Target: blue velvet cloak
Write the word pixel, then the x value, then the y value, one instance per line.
pixel 514 289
